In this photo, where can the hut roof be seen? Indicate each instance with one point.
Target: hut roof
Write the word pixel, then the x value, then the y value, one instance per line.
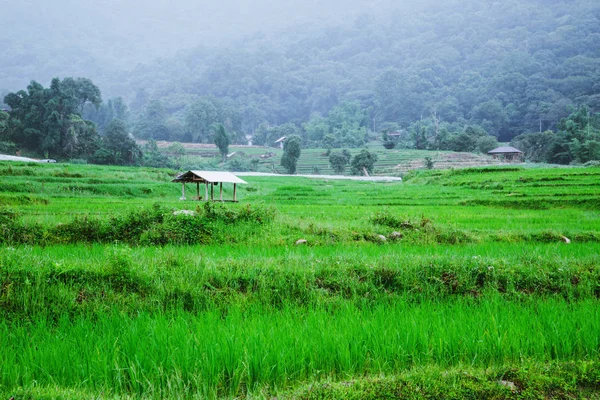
pixel 281 139
pixel 504 150
pixel 209 177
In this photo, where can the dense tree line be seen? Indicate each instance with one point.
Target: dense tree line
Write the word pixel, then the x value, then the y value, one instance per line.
pixel 576 141
pixel 48 122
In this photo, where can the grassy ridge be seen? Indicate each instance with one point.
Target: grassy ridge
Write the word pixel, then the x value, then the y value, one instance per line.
pixel 77 281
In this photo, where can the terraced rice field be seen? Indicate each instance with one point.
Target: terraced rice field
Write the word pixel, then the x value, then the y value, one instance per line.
pixel 450 284
pixel 315 161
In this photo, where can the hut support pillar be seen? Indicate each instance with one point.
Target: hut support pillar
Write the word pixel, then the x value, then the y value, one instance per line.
pixel 234 188
pixel 205 191
pixel 198 190
pixel 221 190
pixel 212 191
pixel 182 191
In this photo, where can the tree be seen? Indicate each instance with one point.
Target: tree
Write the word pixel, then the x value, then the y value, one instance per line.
pixel 339 161
pixel 151 124
pixel 419 137
pixel 363 161
pixel 83 91
pixel 48 120
pixel 535 146
pixel 4 116
pixel 388 143
pixel 117 143
pixel 199 119
pixel 176 149
pixel 429 163
pixel 221 140
pixel 106 112
pixel 486 143
pixel 6 145
pixel 291 153
pixel 153 157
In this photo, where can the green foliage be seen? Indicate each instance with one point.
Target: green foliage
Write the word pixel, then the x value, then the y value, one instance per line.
pixel 471 67
pixel 339 161
pixel 48 121
pixel 469 140
pixel 365 160
pixel 486 143
pixel 577 141
pixel 153 157
pixel 117 146
pixel 535 146
pixel 150 226
pixel 4 118
pixel 291 153
pixel 103 114
pixel 221 140
pixel 429 163
pixel 533 380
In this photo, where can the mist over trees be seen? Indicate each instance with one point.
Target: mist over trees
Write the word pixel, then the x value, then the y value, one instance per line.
pixel 505 67
pixel 454 75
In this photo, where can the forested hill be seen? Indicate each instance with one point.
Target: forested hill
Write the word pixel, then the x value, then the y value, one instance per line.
pixel 508 66
pixel 504 67
pixel 41 40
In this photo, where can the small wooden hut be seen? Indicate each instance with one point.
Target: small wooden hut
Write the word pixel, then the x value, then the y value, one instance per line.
pixel 507 153
pixel 211 178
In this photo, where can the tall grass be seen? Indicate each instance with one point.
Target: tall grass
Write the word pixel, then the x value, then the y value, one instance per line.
pixel 232 353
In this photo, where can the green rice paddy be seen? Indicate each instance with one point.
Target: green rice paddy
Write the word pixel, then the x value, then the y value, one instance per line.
pixel 472 292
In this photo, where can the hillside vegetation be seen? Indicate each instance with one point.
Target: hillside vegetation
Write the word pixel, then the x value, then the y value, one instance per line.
pixel 509 67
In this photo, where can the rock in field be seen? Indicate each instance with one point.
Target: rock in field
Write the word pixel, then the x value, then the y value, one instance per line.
pixel 396 235
pixel 508 384
pixel 381 238
pixel 300 242
pixel 185 212
pixel 565 240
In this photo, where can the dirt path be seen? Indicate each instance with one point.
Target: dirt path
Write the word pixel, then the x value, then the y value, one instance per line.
pixel 340 177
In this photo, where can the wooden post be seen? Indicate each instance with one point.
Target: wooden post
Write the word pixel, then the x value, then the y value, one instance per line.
pixel 198 190
pixel 182 191
pixel 221 190
pixel 205 191
pixel 212 191
pixel 234 187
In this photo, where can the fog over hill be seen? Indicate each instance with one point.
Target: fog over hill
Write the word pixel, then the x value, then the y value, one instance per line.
pixel 42 39
pixel 337 68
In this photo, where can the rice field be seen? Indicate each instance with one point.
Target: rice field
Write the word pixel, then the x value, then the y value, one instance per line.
pixel 450 284
pixel 316 161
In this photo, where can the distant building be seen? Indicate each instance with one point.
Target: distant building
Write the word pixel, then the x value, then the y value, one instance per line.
pixel 279 142
pixel 507 153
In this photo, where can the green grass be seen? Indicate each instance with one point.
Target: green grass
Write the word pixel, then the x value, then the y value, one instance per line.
pixel 479 289
pixel 241 352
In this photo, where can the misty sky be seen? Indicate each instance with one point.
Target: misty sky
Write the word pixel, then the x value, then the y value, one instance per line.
pixel 142 30
pixel 93 38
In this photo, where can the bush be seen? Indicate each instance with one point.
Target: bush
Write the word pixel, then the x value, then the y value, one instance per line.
pixel 154 226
